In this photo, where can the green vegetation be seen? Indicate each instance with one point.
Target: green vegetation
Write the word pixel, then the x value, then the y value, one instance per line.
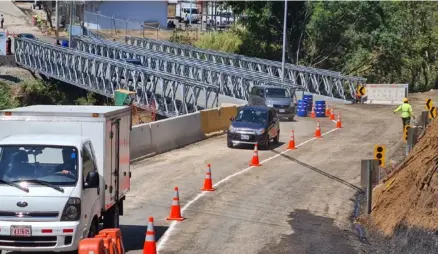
pixel 47 93
pixel 385 42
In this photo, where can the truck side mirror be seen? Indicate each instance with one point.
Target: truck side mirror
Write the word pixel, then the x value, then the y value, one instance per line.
pixel 92 180
pixel 232 118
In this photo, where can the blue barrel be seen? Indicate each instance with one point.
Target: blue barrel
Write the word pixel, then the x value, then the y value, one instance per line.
pixel 309 101
pixel 320 108
pixel 65 43
pixel 302 108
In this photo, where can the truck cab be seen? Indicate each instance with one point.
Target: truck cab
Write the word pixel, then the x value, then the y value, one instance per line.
pixel 63 170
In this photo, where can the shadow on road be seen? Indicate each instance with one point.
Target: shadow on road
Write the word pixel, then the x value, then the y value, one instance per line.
pixel 314 234
pixel 134 235
pixel 248 147
pixel 358 189
pixel 10 78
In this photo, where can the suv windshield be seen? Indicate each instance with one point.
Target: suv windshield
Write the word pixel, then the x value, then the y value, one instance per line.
pixel 252 115
pixel 55 165
pixel 277 93
pixel 188 11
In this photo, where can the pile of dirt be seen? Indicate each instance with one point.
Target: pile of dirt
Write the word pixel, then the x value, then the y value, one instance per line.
pixel 410 198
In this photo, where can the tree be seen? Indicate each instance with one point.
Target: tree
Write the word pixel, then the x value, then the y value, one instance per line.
pixel 48 9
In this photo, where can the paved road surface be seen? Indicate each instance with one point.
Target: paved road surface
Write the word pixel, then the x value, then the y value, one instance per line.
pixel 298 201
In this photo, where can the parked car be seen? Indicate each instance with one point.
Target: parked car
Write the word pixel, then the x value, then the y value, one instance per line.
pixel 281 99
pixel 254 124
pixel 28 36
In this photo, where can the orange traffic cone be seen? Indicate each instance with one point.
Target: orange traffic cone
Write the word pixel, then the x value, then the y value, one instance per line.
pixel 175 213
pixel 255 159
pixel 208 180
pixel 313 114
pixel 328 111
pixel 338 124
pixel 331 116
pixel 292 144
pixel 318 133
pixel 149 246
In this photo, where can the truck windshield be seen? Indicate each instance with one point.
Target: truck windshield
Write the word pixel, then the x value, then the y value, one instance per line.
pixel 277 93
pixel 56 165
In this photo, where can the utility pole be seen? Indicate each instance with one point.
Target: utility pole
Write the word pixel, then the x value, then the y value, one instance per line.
pixel 71 23
pixel 190 13
pixel 57 19
pixel 284 40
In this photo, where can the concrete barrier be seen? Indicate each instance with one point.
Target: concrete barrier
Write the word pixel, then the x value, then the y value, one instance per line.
pixel 213 120
pixel 141 141
pixel 168 134
pixel 176 132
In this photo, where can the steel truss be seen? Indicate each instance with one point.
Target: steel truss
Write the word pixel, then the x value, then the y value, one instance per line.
pixel 324 82
pixel 231 81
pixel 169 94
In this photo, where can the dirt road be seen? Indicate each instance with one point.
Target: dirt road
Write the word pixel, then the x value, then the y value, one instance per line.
pixel 298 201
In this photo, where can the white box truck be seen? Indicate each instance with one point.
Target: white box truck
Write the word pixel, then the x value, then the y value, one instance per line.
pixel 63 170
pixel 185 11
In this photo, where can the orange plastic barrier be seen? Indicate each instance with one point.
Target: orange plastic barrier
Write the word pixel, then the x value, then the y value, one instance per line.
pixel 92 245
pixel 116 236
pixel 108 243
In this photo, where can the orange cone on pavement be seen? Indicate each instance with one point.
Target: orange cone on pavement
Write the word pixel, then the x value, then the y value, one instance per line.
pixel 149 247
pixel 175 213
pixel 292 144
pixel 318 133
pixel 255 159
pixel 208 180
pixel 328 111
pixel 338 125
pixel 313 114
pixel 331 116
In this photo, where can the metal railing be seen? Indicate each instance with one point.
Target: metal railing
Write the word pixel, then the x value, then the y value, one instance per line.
pixel 323 82
pixel 170 94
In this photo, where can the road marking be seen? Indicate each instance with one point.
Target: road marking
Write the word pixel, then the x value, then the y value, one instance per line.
pixel 167 234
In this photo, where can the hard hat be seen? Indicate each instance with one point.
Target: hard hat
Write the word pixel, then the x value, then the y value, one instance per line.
pixel 405 100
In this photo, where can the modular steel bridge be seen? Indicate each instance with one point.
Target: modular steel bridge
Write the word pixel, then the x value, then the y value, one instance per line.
pixel 313 80
pixel 172 78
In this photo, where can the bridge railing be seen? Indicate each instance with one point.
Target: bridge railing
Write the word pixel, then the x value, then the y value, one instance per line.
pixel 231 81
pixel 324 82
pixel 172 95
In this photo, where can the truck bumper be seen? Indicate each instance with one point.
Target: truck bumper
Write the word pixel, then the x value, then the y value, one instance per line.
pixel 46 236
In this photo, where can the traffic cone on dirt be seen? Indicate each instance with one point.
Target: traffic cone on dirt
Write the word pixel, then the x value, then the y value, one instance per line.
pixel 149 247
pixel 327 111
pixel 292 144
pixel 255 159
pixel 318 133
pixel 208 180
pixel 331 115
pixel 313 113
pixel 175 213
pixel 338 124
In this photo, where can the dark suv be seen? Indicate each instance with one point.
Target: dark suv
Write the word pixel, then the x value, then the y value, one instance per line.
pixel 254 124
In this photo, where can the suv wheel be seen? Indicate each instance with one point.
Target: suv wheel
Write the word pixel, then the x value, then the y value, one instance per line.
pixel 266 145
pixel 276 139
pixel 229 144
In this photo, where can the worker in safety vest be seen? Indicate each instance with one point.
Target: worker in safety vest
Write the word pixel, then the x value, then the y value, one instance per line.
pixel 406 112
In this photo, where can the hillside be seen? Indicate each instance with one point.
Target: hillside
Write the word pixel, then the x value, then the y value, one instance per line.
pixel 411 199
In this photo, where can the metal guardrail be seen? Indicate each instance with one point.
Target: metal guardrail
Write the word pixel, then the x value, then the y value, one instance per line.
pixel 323 82
pixel 170 94
pixel 231 81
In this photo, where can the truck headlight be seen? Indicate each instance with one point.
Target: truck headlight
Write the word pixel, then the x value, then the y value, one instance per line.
pixel 260 131
pixel 231 129
pixel 72 210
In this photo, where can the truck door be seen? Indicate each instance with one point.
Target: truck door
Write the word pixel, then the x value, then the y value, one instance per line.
pixel 115 161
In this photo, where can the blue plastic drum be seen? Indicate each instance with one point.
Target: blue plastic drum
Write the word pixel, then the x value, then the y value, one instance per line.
pixel 302 108
pixel 320 108
pixel 65 43
pixel 309 101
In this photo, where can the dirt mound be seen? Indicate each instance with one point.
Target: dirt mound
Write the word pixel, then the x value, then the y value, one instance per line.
pixel 411 199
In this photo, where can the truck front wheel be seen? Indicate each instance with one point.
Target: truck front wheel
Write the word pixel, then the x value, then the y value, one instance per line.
pixel 94 227
pixel 111 217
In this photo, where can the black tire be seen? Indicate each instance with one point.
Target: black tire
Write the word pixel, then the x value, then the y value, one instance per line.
pixel 111 217
pixel 229 144
pixel 276 139
pixel 94 229
pixel 266 144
